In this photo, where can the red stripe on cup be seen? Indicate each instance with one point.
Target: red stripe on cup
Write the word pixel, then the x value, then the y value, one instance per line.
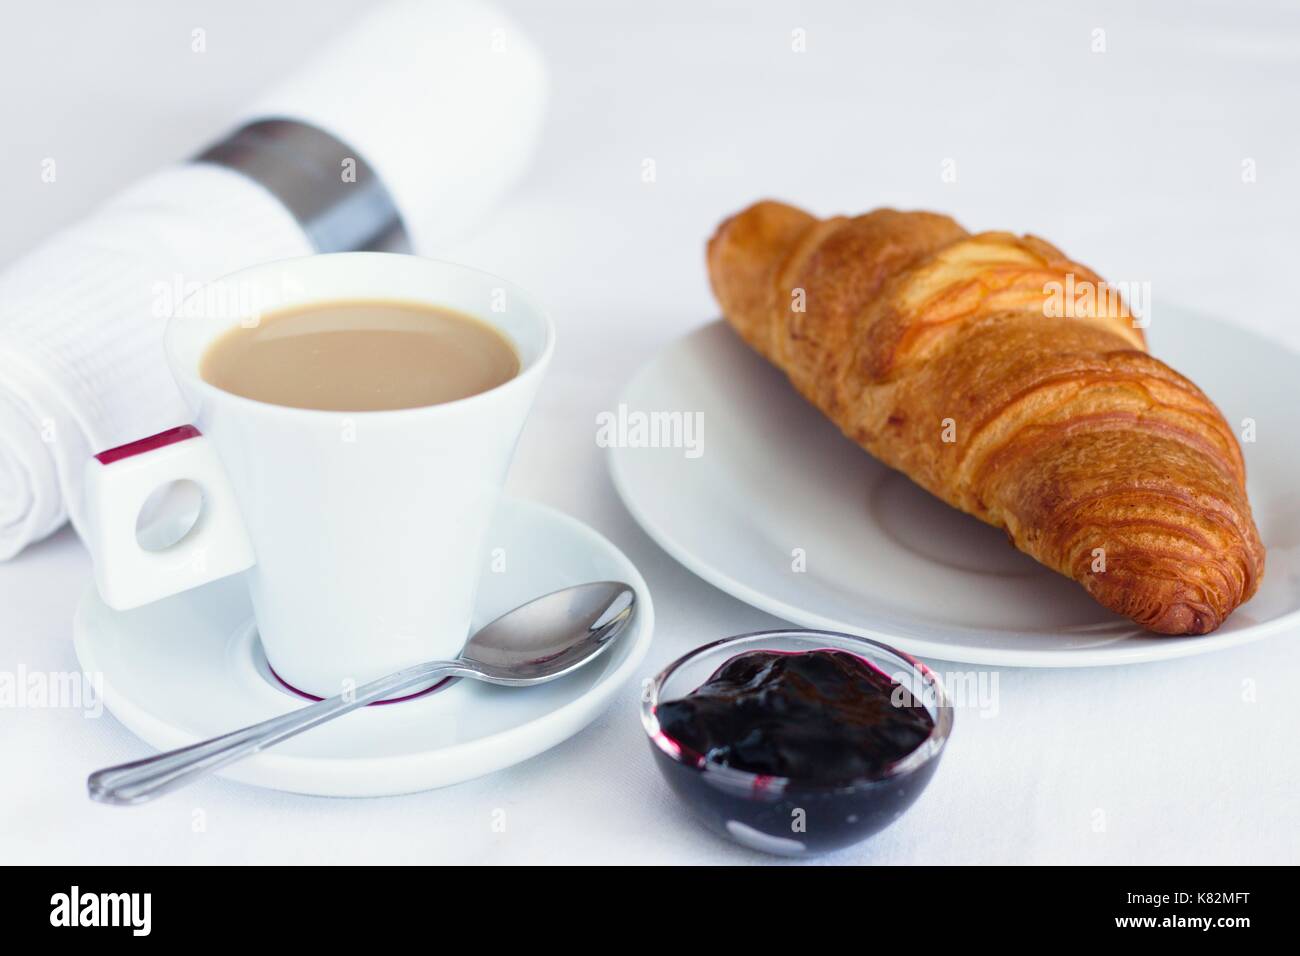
pixel 141 445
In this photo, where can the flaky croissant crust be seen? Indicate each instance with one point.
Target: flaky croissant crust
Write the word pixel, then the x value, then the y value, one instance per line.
pixel 938 352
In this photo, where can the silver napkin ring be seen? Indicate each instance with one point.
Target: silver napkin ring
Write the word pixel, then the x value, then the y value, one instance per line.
pixel 337 198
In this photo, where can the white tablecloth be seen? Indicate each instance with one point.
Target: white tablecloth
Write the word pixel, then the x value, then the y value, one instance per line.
pixel 1170 158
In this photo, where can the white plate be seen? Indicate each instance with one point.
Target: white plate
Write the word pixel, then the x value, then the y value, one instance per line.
pixel 775 480
pixel 189 667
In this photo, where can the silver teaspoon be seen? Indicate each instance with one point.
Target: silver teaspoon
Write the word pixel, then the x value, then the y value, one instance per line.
pixel 536 642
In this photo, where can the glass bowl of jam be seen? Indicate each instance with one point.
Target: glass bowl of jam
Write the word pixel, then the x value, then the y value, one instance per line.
pixel 796 742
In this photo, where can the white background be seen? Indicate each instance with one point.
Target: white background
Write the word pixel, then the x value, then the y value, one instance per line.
pixel 1131 159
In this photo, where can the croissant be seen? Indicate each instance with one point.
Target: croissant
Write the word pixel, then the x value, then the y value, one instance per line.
pixel 946 356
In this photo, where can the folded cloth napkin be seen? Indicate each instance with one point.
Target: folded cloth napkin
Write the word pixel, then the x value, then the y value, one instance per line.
pixel 442 102
pixel 81 319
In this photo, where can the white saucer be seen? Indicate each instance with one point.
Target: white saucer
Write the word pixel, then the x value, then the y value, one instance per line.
pixel 775 480
pixel 189 667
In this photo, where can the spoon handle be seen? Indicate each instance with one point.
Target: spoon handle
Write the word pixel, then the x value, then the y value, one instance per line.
pixel 142 780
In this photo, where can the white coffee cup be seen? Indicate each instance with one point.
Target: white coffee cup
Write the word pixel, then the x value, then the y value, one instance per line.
pixel 362 534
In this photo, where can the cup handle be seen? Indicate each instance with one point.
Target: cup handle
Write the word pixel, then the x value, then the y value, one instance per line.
pixel 119 482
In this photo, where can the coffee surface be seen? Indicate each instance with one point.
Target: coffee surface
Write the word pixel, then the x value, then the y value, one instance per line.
pixel 355 356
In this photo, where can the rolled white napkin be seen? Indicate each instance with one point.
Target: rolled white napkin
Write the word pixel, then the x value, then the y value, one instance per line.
pixel 441 101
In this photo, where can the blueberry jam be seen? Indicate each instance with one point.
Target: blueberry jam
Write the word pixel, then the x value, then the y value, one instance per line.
pixel 820 730
pixel 825 717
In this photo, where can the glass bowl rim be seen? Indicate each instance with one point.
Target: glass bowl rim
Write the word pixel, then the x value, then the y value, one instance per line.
pixel 927 751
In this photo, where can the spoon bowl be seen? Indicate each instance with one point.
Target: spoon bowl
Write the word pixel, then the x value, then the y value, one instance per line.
pixel 524 647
